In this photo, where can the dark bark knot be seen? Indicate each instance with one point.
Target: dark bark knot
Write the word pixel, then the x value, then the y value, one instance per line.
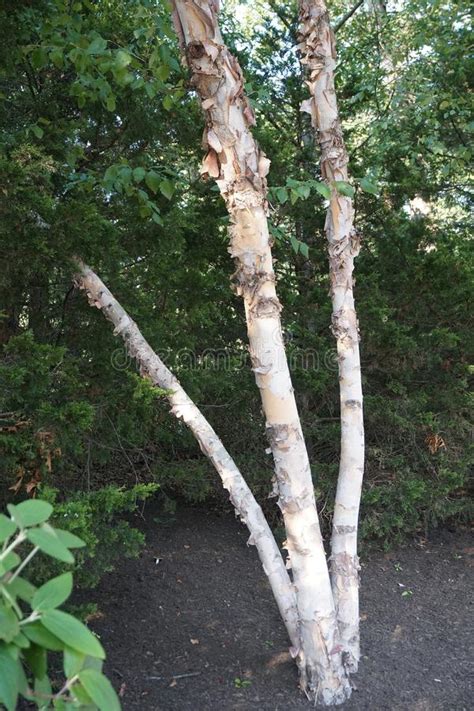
pixel 266 307
pixel 282 436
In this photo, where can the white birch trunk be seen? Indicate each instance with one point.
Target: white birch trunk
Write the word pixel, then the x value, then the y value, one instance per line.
pixel 152 367
pixel 318 54
pixel 239 167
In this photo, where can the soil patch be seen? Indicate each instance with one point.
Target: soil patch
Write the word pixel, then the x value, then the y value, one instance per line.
pixel 192 626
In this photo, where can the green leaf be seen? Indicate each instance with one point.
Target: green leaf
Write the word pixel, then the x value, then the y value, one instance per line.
pixel 37 130
pixel 304 249
pixel 163 72
pixel 110 103
pixel 73 662
pixel 21 588
pixel 138 174
pixel 82 696
pixel 122 59
pixel 42 689
pixel 97 46
pixel 282 195
pixel 73 633
pixel 323 189
pixel 9 680
pixel 100 690
pixel 69 539
pixel 167 188
pixel 153 181
pixel 31 512
pixel 295 243
pixel 21 641
pixel 53 593
pixel 37 660
pixel 7 527
pixel 10 561
pixel 369 187
pixel 168 103
pixel 344 188
pixel 304 191
pixel 37 633
pixel 294 196
pixel 48 542
pixel 9 625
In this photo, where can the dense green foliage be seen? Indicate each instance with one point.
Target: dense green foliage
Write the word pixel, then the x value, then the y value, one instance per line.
pixel 100 157
pixel 31 625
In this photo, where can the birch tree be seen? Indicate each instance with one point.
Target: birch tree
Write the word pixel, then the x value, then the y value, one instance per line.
pixel 182 407
pixel 317 46
pixel 240 168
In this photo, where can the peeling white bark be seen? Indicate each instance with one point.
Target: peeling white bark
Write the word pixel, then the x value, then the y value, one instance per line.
pixel 318 54
pixel 152 367
pixel 240 168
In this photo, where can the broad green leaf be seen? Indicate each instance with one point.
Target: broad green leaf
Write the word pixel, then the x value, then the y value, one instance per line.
pixel 69 539
pixel 97 46
pixel 21 588
pixel 163 72
pixel 295 243
pixel 344 188
pixel 32 512
pixel 7 527
pixel 323 189
pixel 11 560
pixel 153 181
pixel 37 130
pixel 73 662
pixel 21 641
pixel 304 191
pixel 304 249
pixel 42 689
pixel 9 625
pixel 100 690
pixel 167 188
pixel 138 174
pixel 369 187
pixel 111 103
pixel 36 658
pixel 37 633
pixel 47 541
pixel 282 195
pixel 122 59
pixel 73 633
pixel 168 103
pixel 53 593
pixel 294 196
pixel 9 680
pixel 83 697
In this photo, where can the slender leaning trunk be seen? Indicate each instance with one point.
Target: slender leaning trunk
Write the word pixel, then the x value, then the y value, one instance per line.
pixel 318 54
pixel 151 366
pixel 240 168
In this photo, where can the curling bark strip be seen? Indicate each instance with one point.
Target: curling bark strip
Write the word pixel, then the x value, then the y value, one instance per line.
pixel 317 46
pixel 235 161
pixel 152 367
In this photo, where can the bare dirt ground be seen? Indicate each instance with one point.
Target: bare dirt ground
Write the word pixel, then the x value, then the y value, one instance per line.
pixel 192 626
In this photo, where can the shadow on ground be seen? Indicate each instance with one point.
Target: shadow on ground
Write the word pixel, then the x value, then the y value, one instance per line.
pixel 192 625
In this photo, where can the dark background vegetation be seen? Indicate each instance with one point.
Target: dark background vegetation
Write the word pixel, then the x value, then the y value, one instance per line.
pixel 100 154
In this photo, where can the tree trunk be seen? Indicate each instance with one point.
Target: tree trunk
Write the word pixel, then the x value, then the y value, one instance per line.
pixel 152 367
pixel 318 54
pixel 239 167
